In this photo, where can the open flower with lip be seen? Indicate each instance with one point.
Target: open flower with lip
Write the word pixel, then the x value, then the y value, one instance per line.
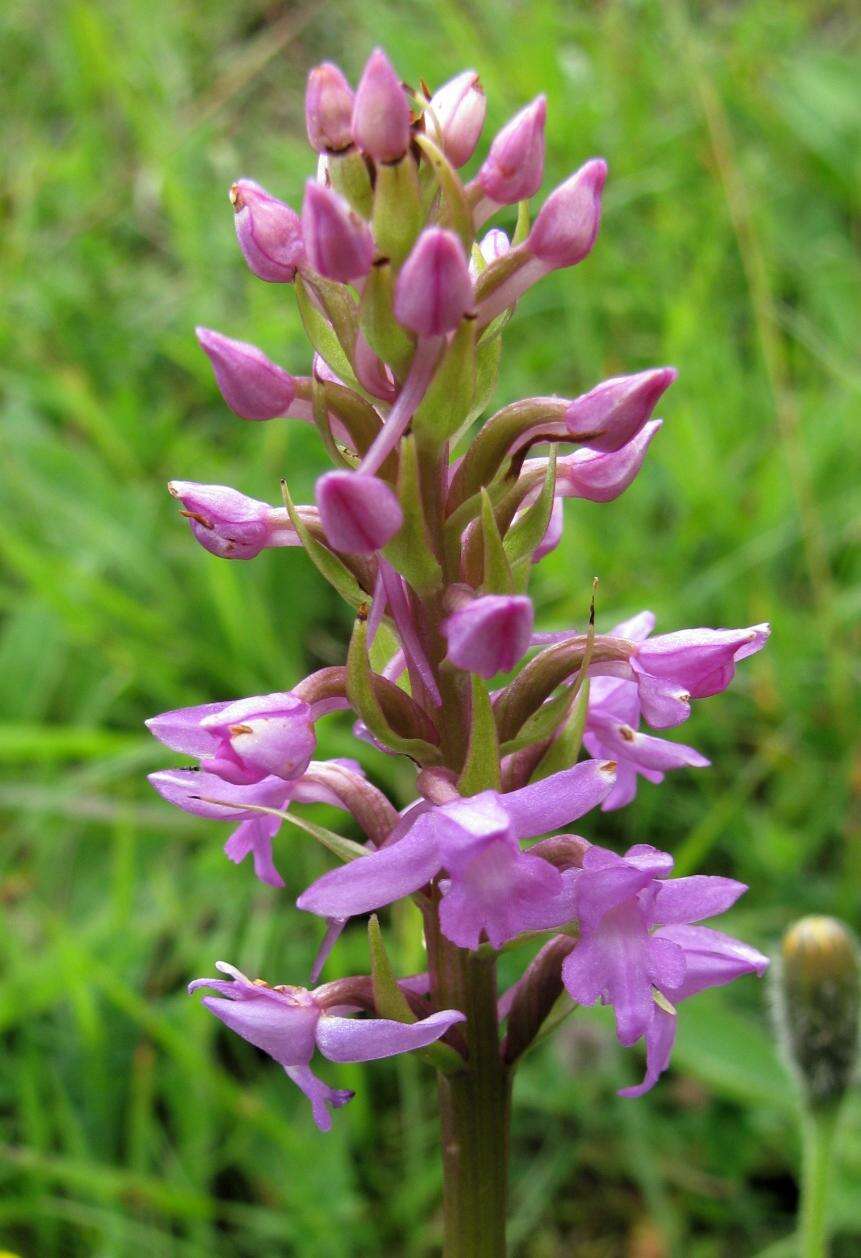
pixel 490 884
pixel 291 1023
pixel 244 740
pixel 673 668
pixel 637 937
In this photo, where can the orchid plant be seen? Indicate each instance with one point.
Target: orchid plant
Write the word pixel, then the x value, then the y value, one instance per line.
pixel 430 526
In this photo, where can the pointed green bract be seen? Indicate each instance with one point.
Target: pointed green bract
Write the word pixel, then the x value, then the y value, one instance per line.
pixel 497 577
pixel 481 771
pixel 410 551
pixel 367 706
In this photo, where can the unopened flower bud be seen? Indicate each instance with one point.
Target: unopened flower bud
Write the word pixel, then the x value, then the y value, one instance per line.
pixel 268 231
pixel 513 168
pixel 455 116
pixel 610 415
pixel 250 384
pixel 434 290
pixel 338 243
pixel 381 113
pixel 566 227
pixel 360 513
pixel 328 109
pixel 819 993
pixel 489 634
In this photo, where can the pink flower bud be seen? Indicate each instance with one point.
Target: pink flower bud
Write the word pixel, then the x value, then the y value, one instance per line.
pixel 434 290
pixel 360 513
pixel 612 413
pixel 250 384
pixel 602 477
pixel 338 243
pixel 566 227
pixel 268 231
pixel 381 114
pixel 513 168
pixel 455 116
pixel 490 634
pixel 328 109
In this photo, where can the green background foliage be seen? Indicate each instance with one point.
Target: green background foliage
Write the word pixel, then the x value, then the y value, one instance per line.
pixel 130 1122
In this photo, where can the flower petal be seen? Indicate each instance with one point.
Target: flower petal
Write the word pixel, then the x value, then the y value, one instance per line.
pixel 323 1098
pixel 181 729
pixel 379 878
pixel 559 799
pixel 711 958
pixel 660 1038
pixel 255 836
pixel 208 795
pixel 687 900
pixel 367 1039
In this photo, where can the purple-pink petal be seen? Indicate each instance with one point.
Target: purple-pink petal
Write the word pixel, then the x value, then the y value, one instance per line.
pixel 323 1098
pixel 559 799
pixel 181 729
pixel 207 795
pixel 660 1038
pixel 393 871
pixel 489 634
pixel 367 1039
pixel 255 837
pixel 683 901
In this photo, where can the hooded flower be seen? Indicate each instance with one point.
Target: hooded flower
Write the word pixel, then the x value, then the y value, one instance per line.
pixel 245 740
pixel 658 681
pixel 637 938
pixel 289 1023
pixel 490 885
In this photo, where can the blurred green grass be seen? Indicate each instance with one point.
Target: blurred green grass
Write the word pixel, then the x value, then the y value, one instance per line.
pixel 129 1124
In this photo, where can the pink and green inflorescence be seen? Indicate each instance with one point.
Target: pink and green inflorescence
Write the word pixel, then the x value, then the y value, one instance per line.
pixel 430 525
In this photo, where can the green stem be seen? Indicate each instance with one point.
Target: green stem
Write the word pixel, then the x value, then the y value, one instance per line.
pixel 474 1109
pixel 818 1144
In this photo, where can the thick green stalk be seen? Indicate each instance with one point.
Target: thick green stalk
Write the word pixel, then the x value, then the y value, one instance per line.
pixel 474 1109
pixel 818 1143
